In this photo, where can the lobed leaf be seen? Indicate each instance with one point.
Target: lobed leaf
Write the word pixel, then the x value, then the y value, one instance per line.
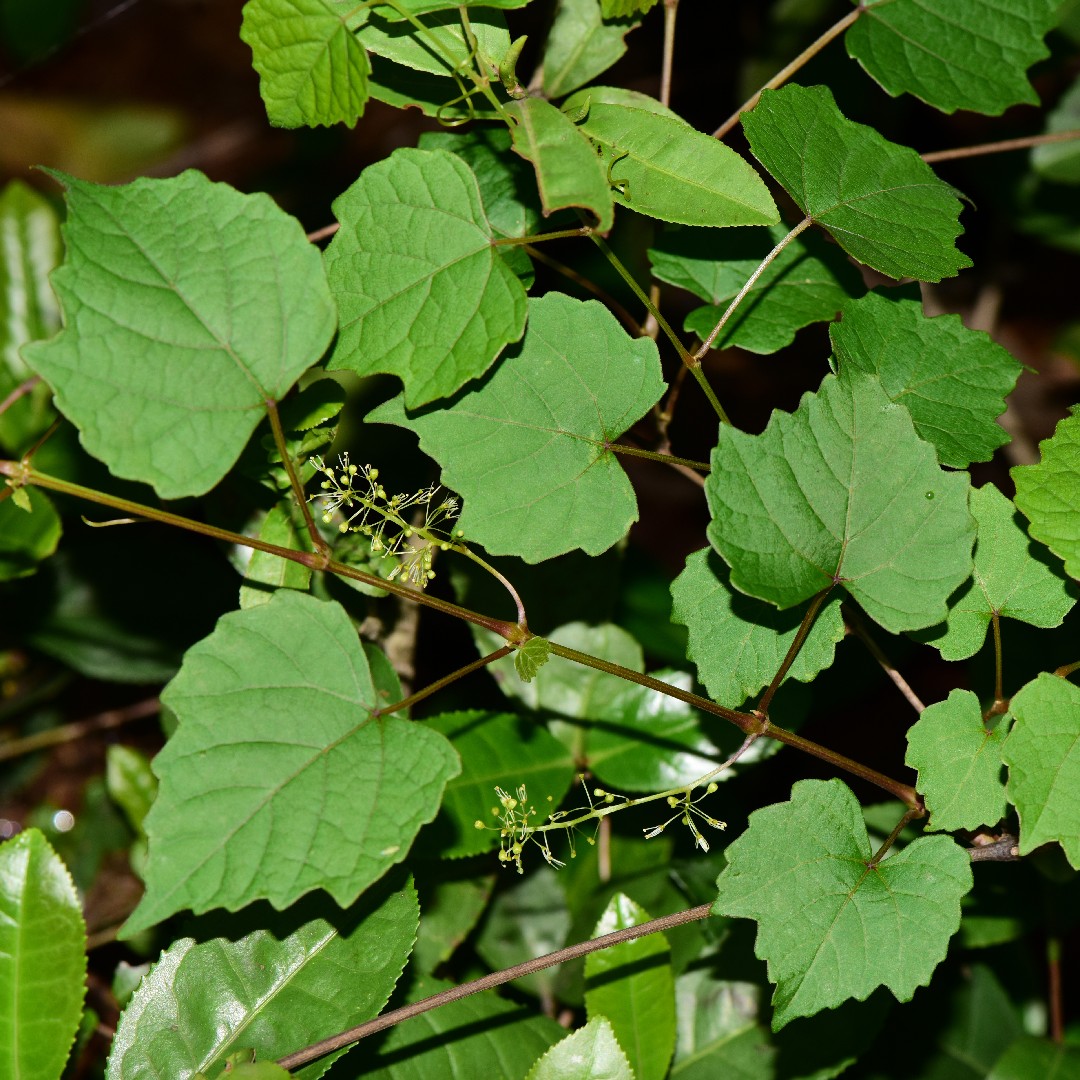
pixel 880 201
pixel 832 924
pixel 590 1052
pixel 581 45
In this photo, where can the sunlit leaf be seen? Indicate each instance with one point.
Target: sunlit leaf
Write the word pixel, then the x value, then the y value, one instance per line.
pixel 590 1052
pixel 28 533
pixel 581 45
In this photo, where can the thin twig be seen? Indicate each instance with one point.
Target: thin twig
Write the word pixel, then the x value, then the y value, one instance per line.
pixel 1024 143
pixel 20 391
pixel 671 9
pixel 1004 849
pixel 324 232
pixel 859 630
pixel 446 680
pixel 104 721
pixel 793 650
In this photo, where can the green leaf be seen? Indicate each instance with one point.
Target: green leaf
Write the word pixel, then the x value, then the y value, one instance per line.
pixel 631 985
pixel 42 958
pixel 425 7
pixel 131 784
pixel 312 69
pixel 531 657
pixel 582 100
pixel 280 988
pixel 442 48
pixel 297 786
pixel 422 292
pixel 581 45
pixel 880 201
pixel 538 479
pixel 590 1052
pixel 737 642
pixel 568 171
pixel 661 167
pixel 841 491
pixel 496 749
pixel 617 9
pixel 266 572
pixel 433 95
pixel 972 54
pixel 1012 578
pixel 832 925
pixel 1048 494
pixel 30 249
pixel 952 380
pixel 186 305
pixel 959 763
pixel 1060 161
pixel 27 534
pixel 809 281
pixel 1029 1058
pixel 451 907
pixel 1043 755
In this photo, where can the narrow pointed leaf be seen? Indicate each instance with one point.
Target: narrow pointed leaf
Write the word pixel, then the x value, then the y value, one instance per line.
pixel 588 1053
pixel 442 48
pixel 952 380
pixel 312 70
pixel 581 45
pixel 959 763
pixel 661 167
pixel 880 201
pixel 274 990
pixel 42 959
pixel 969 54
pixel 1048 493
pixel 842 491
pixel 831 925
pixel 278 780
pixel 1043 755
pixel 186 305
pixel 422 292
pixel 538 479
pixel 1011 578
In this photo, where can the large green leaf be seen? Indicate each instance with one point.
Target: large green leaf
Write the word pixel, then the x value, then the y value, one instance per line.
pixel 186 305
pixel 1043 755
pixel 951 379
pixel 590 1052
pixel 831 924
pixel 312 70
pixel 27 534
pixel 662 167
pixel 42 959
pixel 967 54
pixel 1012 579
pixel 1048 494
pixel 631 984
pixel 881 202
pixel 959 763
pixel 581 45
pixel 422 292
pixel 274 990
pixel 842 491
pixel 297 786
pixel 528 448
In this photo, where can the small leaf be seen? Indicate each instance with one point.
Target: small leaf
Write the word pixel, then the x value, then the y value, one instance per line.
pixel 186 305
pixel 531 657
pixel 971 55
pixel 1011 578
pixel 842 491
pixel 632 986
pixel 266 572
pixel 1048 494
pixel 952 380
pixel 538 479
pixel 422 292
pixel 312 69
pixel 833 925
pixel 568 172
pixel 581 45
pixel 588 1053
pixel 42 958
pixel 880 201
pixel 1043 755
pixel 131 784
pixel 959 763
pixel 29 532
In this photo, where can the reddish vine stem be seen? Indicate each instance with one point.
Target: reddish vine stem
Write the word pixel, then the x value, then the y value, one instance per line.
pixel 1023 143
pixel 671 10
pixel 855 624
pixel 317 540
pixel 800 637
pixel 901 825
pixel 498 978
pixel 446 680
pixel 995 624
pixel 1053 993
pixel 20 391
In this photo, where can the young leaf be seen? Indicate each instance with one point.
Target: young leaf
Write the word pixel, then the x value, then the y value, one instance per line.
pixel 42 958
pixel 568 172
pixel 632 986
pixel 266 572
pixel 297 786
pixel 959 763
pixel 422 292
pixel 1043 755
pixel 581 45
pixel 312 70
pixel 832 924
pixel 28 534
pixel 663 168
pixel 972 54
pixel 1011 578
pixel 842 491
pixel 880 201
pixel 737 642
pixel 952 380
pixel 280 988
pixel 186 305
pixel 531 657
pixel 587 1053
pixel 1048 494
pixel 538 478
pixel 809 281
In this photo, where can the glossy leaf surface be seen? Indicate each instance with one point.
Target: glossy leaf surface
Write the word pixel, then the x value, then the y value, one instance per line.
pixel 590 1052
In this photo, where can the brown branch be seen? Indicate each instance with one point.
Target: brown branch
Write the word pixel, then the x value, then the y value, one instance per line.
pixel 104 721
pixel 1024 143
